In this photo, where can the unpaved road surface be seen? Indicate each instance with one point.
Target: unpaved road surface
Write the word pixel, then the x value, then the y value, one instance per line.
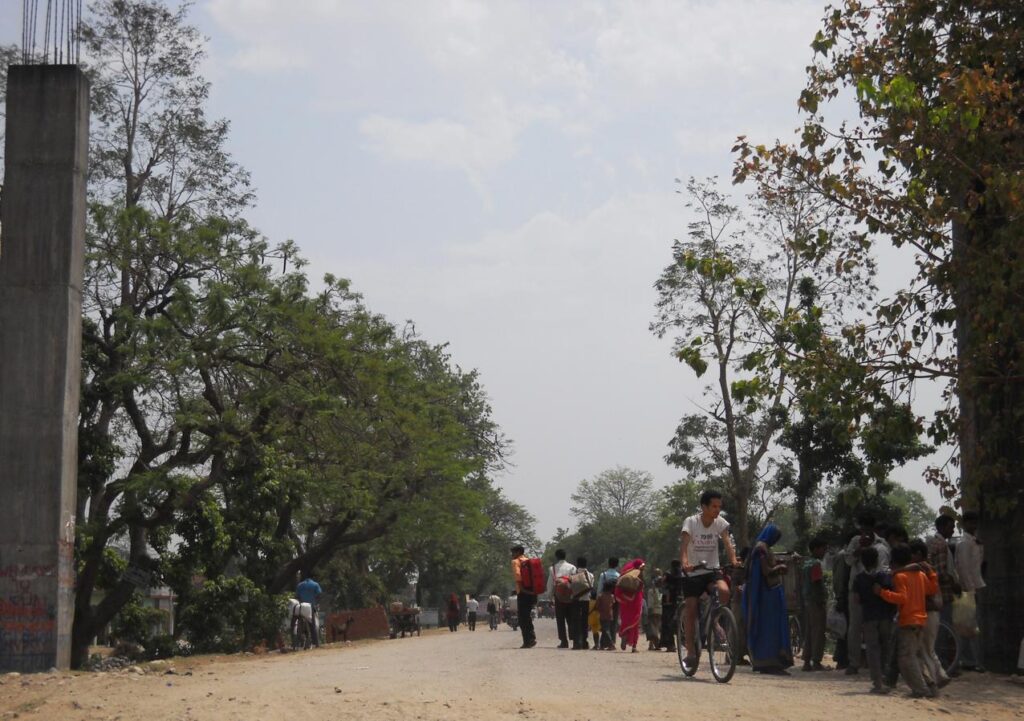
pixel 479 676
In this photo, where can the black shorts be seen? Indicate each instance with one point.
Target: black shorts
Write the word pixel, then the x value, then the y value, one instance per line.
pixel 696 584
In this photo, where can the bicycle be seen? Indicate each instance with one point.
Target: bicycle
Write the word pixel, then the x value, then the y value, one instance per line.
pixel 716 631
pixel 796 636
pixel 947 647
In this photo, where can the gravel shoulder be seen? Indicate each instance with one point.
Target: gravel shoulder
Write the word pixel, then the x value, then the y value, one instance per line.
pixel 482 675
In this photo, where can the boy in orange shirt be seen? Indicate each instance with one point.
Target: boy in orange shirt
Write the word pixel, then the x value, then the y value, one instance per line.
pixel 910 589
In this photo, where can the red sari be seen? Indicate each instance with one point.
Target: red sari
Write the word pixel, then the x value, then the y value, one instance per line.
pixel 631 606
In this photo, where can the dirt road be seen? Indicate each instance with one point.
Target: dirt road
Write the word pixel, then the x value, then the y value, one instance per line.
pixel 479 676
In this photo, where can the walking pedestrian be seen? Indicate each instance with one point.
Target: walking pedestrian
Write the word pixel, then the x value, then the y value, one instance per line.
pixel 561 568
pixel 525 600
pixel 452 613
pixel 493 610
pixel 969 556
pixel 610 574
pixel 580 610
pixel 471 608
pixel 630 603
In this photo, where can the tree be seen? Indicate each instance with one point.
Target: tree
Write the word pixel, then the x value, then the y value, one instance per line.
pixel 933 163
pixel 230 418
pixel 727 298
pixel 151 143
pixel 615 510
pixel 918 516
pixel 618 493
pixel 674 504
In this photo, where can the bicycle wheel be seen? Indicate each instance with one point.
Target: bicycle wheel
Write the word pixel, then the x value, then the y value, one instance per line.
pixel 947 647
pixel 688 670
pixel 796 637
pixel 722 644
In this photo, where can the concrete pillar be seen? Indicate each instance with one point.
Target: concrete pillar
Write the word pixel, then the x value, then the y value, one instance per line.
pixel 41 267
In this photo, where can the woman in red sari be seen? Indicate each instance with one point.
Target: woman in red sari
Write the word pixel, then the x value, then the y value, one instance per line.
pixel 453 613
pixel 631 602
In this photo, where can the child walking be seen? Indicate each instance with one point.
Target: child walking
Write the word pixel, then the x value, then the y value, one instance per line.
pixel 876 615
pixel 910 589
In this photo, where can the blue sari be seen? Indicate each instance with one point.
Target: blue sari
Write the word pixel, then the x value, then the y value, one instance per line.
pixel 764 610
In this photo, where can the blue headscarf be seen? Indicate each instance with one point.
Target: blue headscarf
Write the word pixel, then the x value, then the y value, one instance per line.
pixel 770 534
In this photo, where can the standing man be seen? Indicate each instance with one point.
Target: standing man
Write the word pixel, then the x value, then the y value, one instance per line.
pixel 525 600
pixel 493 609
pixel 698 554
pixel 561 567
pixel 309 591
pixel 471 607
pixel 580 610
pixel 865 539
pixel 610 574
pixel 970 554
pixel 940 557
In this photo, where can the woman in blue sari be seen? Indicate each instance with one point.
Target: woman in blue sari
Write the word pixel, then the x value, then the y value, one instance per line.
pixel 764 607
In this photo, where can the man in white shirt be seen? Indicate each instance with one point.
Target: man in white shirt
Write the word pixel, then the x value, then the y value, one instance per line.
pixel 969 556
pixel 563 617
pixel 493 609
pixel 698 552
pixel 471 608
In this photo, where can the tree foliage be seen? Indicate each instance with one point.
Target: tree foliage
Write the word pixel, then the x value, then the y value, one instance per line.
pixel 237 427
pixel 933 164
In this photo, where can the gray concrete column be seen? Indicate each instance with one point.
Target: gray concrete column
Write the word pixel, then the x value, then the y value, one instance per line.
pixel 41 266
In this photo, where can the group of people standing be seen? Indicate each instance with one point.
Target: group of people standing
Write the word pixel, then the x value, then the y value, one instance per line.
pixel 891 591
pixel 895 592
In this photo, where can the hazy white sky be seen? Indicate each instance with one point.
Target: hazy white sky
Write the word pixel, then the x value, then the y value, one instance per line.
pixel 502 173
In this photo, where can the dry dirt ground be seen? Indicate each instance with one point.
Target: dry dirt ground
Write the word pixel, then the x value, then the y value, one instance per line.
pixel 479 676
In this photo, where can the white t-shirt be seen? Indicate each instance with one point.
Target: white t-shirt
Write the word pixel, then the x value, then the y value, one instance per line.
pixel 472 605
pixel 704 540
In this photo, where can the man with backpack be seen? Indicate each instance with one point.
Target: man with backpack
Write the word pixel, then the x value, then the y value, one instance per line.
pixel 526 596
pixel 610 574
pixel 560 587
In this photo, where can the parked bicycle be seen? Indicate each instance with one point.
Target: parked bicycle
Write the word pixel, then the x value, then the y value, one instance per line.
pixel 947 647
pixel 716 631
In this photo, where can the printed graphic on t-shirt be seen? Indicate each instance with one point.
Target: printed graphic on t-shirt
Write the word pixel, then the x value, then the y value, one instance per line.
pixel 704 540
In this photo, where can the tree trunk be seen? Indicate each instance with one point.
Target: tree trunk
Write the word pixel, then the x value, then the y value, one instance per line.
pixel 991 400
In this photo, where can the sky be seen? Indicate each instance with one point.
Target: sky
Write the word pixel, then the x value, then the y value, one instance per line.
pixel 503 174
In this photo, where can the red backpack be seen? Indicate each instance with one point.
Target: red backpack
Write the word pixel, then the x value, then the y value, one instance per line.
pixel 532 576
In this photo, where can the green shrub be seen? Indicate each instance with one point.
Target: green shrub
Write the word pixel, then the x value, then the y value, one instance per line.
pixel 134 622
pixel 231 614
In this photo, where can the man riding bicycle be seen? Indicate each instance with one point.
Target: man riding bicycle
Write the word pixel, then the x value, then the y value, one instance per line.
pixel 698 552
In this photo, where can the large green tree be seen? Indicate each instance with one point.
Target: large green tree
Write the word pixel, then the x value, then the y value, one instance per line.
pixel 728 300
pixel 232 420
pixel 933 163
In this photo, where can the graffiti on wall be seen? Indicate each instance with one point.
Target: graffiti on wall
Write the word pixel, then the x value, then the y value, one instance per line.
pixel 28 623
